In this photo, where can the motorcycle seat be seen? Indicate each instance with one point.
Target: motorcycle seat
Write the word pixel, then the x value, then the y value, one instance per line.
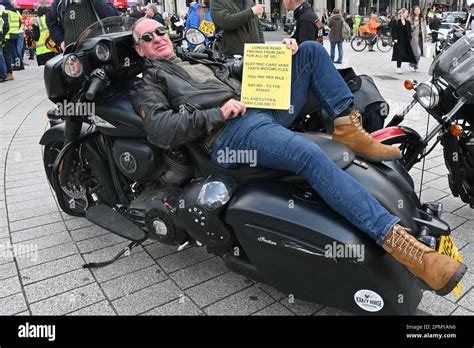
pixel 341 155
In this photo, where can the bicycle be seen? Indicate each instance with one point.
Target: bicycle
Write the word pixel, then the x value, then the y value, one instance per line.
pixel 382 41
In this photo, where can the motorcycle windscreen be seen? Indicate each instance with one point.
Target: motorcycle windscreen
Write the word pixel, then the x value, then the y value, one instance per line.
pixel 456 65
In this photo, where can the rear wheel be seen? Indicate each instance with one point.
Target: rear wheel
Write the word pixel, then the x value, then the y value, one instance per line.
pixel 358 44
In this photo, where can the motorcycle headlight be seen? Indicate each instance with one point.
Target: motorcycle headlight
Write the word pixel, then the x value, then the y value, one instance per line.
pixel 102 52
pixel 72 66
pixel 427 95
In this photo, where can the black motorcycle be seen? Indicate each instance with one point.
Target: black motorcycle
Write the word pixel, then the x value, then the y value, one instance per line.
pixel 266 224
pixel 448 97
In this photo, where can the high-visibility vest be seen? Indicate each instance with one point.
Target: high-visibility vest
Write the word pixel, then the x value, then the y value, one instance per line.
pixel 14 21
pixel 40 44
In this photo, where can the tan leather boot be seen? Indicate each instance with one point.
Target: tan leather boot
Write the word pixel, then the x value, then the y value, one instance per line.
pixel 10 76
pixel 349 131
pixel 438 271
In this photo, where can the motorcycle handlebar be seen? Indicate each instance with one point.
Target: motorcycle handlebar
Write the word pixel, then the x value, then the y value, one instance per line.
pixel 197 55
pixel 93 88
pixel 98 79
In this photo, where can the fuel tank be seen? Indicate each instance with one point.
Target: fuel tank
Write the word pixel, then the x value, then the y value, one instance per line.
pixel 120 117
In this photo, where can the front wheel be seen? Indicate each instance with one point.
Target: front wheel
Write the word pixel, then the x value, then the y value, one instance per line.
pixel 384 44
pixel 75 194
pixel 358 44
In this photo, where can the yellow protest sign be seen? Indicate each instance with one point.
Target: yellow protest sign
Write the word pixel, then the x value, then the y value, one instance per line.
pixel 266 80
pixel 207 27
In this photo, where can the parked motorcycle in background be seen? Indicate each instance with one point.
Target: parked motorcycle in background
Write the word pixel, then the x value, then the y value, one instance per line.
pixel 448 97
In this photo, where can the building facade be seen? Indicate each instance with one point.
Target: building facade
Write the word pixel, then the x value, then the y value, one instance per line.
pixel 353 7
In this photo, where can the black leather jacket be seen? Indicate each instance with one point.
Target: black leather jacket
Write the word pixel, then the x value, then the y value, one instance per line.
pixel 178 110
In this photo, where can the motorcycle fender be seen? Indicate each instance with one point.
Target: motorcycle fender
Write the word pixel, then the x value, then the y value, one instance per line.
pixel 395 135
pixel 57 133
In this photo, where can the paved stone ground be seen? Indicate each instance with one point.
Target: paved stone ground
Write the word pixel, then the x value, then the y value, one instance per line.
pixel 156 279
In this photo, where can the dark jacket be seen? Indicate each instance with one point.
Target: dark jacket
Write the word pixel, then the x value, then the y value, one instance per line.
pixel 435 23
pixel 137 14
pixel 102 10
pixel 305 29
pixel 159 18
pixel 335 24
pixel 239 26
pixel 178 110
pixel 350 22
pixel 402 51
pixel 6 26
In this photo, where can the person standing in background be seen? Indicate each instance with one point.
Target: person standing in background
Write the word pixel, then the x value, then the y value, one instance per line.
pixel 435 24
pixel 350 23
pixel 69 18
pixel 356 26
pixel 335 35
pixel 14 20
pixel 401 36
pixel 419 36
pixel 306 28
pixel 200 18
pixel 39 34
pixel 177 24
pixel 239 21
pixel 5 74
pixel 20 41
pixel 151 11
pixel 136 13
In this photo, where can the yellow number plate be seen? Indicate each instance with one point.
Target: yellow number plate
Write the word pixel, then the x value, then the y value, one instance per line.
pixel 449 248
pixel 207 27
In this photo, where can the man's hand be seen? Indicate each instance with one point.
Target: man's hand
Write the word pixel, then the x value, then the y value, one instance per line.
pixel 233 108
pixel 291 43
pixel 62 46
pixel 258 10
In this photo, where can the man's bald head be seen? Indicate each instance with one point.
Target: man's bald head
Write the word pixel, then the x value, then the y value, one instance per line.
pixel 158 47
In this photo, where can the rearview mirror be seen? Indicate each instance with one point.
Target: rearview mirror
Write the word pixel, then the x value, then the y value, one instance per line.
pixel 194 36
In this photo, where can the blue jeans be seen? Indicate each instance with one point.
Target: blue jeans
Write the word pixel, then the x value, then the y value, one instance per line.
pixel 264 132
pixel 418 53
pixel 20 46
pixel 12 53
pixel 3 66
pixel 333 51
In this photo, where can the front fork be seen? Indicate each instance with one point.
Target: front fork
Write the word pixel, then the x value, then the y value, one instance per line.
pixel 72 132
pixel 399 117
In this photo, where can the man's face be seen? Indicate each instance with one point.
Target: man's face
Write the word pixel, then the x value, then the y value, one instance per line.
pixel 158 47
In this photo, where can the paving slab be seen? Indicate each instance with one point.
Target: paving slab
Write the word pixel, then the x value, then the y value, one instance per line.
pixel 69 301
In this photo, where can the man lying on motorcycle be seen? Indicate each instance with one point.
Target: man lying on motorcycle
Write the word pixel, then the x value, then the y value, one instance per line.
pixel 181 103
